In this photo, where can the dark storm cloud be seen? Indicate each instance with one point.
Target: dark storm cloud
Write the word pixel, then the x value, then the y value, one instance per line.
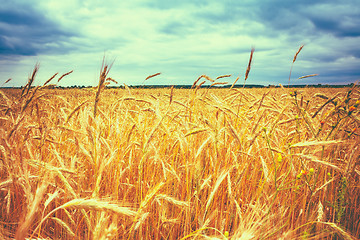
pixel 337 26
pixel 24 31
pixel 9 47
pixel 16 17
pixel 338 18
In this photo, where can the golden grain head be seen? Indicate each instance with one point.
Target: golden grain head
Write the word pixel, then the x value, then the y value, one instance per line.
pixel 297 53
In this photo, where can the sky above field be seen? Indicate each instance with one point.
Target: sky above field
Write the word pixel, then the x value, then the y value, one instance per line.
pixel 182 39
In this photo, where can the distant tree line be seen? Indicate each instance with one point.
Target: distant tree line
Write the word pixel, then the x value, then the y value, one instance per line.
pixel 223 86
pixel 203 86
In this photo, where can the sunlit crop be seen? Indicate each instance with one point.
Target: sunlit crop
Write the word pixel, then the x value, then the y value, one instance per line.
pixel 199 163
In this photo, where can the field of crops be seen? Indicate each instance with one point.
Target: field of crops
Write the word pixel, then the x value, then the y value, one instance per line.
pixel 200 163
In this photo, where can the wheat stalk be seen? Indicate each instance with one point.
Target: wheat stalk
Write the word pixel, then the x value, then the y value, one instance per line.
pixel 91 204
pixel 104 71
pixel 151 76
pixel 294 59
pixel 24 226
pixel 64 75
pixel 249 65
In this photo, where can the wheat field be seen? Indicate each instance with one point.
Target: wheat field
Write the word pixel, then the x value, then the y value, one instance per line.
pixel 200 163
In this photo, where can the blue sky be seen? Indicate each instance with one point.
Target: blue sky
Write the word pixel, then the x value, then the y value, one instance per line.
pixel 182 39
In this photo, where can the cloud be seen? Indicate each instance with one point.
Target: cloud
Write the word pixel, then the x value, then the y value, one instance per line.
pixel 175 4
pixel 24 31
pixel 175 28
pixel 182 39
pixel 339 21
pixel 337 18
